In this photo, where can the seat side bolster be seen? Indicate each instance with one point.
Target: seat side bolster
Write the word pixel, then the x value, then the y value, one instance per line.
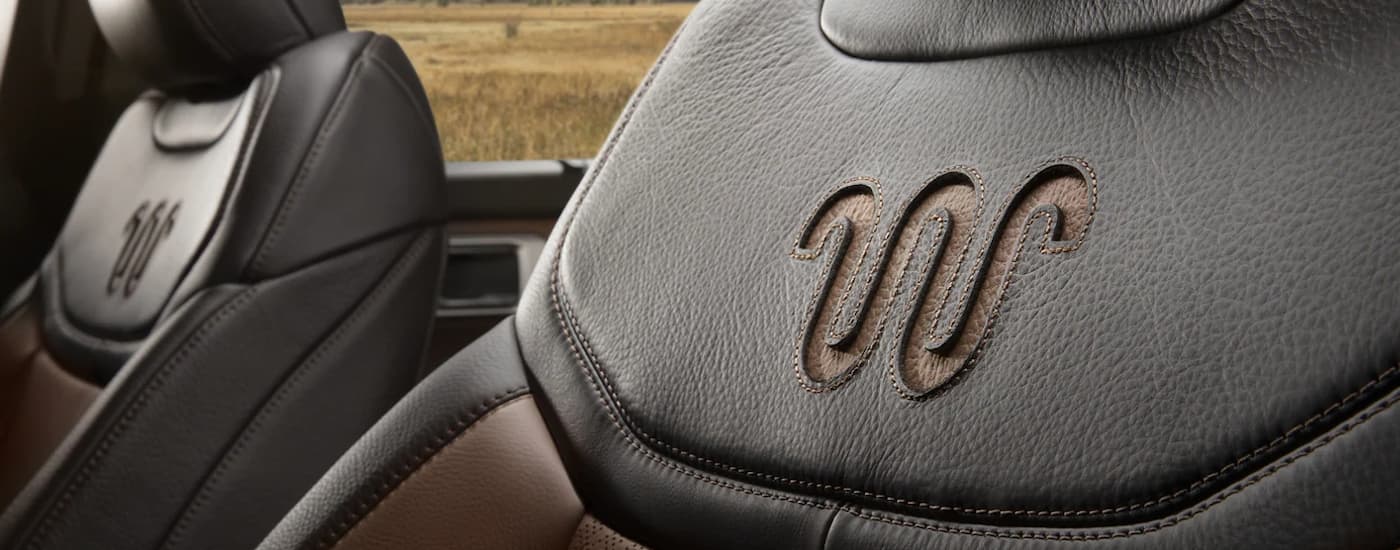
pixel 482 379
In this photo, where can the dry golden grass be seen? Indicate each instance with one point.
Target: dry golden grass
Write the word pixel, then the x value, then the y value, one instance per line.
pixel 525 82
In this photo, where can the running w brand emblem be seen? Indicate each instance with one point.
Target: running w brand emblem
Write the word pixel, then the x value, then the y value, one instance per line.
pixel 922 281
pixel 143 232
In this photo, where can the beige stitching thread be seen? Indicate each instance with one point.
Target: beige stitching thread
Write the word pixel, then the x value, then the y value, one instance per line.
pixel 1005 209
pixel 897 377
pixel 216 477
pixel 1157 526
pixel 895 372
pixel 631 428
pixel 129 414
pixel 969 273
pixel 979 185
pixel 840 327
pixel 844 375
pixel 818 293
pixel 367 509
pixel 570 325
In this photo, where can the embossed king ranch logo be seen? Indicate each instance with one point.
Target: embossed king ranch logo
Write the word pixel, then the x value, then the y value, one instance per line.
pixel 147 227
pixel 924 280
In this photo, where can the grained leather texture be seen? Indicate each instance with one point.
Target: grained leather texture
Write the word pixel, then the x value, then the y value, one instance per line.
pixel 956 29
pixel 210 43
pixel 229 383
pixel 144 216
pixel 1213 364
pixel 521 497
pixel 337 103
pixel 1130 380
pixel 482 377
pixel 591 534
pixel 299 318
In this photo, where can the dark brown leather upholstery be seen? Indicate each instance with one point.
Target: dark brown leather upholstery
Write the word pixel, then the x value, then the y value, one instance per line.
pixel 42 401
pixel 1174 325
pixel 248 274
pixel 522 497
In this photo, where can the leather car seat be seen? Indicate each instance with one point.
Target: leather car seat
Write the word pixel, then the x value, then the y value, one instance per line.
pixel 942 274
pixel 244 285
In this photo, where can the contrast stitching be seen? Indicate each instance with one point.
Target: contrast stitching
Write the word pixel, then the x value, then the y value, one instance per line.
pixel 840 326
pixel 563 312
pixel 561 315
pixel 111 436
pixel 284 389
pixel 589 363
pixel 396 476
pixel 818 295
pixel 304 169
pixel 1301 453
pixel 592 369
pixel 989 240
pixel 896 374
pixel 894 371
pixel 979 186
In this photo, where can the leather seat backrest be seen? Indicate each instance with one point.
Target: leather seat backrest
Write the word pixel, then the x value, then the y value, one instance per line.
pixel 945 274
pixel 244 284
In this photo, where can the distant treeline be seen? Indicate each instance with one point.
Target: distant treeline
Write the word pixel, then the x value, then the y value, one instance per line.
pixel 532 2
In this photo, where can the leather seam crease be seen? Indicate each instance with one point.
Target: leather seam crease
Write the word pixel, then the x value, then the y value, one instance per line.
pixel 412 251
pixel 587 360
pixel 351 517
pixel 129 413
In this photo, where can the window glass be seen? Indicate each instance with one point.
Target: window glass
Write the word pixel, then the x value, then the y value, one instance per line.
pixel 518 81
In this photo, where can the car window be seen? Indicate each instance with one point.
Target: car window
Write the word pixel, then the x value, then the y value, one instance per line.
pixel 517 81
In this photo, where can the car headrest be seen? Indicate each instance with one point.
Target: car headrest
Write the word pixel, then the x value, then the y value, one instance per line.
pixel 193 43
pixel 958 29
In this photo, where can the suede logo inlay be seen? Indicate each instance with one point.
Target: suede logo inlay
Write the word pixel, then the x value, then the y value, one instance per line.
pixel 921 281
pixel 144 230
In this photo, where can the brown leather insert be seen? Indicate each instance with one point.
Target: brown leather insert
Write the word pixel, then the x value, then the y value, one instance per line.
pixel 41 402
pixel 922 370
pixel 593 535
pixel 500 484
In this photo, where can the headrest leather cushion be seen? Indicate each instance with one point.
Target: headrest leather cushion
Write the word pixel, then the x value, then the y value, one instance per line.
pixel 179 44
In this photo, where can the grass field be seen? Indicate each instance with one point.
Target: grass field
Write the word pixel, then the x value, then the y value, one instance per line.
pixel 525 82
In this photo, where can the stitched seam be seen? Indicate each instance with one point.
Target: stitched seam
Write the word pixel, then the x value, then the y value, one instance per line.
pixel 1301 453
pixel 840 326
pixel 391 479
pixel 312 155
pixel 819 293
pixel 979 186
pixel 560 314
pixel 895 372
pixel 565 317
pixel 413 99
pixel 91 463
pixel 592 370
pixel 378 291
pixel 1264 449
pixel 804 337
pixel 563 311
pixel 989 241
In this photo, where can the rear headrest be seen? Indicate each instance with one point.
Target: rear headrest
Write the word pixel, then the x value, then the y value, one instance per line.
pixel 180 44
